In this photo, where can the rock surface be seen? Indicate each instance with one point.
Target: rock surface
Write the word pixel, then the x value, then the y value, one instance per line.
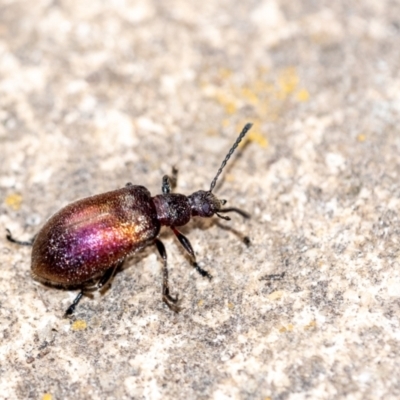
pixel 96 94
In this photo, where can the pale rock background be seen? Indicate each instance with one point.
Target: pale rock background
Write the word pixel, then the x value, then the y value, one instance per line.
pixel 96 94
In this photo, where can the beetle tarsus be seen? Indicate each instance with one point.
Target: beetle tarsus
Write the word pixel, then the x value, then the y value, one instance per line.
pixel 173 303
pixel 202 271
pixel 11 239
pixel 70 310
pixel 173 306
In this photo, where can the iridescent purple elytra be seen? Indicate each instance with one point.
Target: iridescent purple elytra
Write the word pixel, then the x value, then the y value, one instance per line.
pixel 90 238
pixel 85 238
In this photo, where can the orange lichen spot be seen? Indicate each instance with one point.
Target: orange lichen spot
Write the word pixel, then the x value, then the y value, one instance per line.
pixel 311 325
pixel 302 95
pixel 47 396
pixel 14 201
pixel 288 81
pixel 231 306
pixel 79 325
pixel 361 137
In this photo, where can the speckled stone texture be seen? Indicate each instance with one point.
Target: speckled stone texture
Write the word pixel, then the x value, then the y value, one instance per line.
pixel 94 94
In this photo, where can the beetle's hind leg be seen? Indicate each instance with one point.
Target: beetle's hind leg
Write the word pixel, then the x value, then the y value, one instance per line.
pixel 171 302
pixel 169 182
pixel 101 284
pixel 11 239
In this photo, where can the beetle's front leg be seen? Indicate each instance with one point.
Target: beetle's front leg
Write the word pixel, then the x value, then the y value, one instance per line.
pixel 169 182
pixel 188 247
pixel 171 302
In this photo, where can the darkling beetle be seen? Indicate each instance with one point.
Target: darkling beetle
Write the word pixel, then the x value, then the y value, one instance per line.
pixel 89 239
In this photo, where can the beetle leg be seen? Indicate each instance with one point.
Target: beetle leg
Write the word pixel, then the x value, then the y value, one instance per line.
pixel 102 282
pixel 105 279
pixel 169 182
pixel 171 302
pixel 10 238
pixel 71 308
pixel 188 247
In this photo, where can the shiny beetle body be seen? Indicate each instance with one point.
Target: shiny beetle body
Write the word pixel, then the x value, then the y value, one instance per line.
pixel 89 239
pixel 82 241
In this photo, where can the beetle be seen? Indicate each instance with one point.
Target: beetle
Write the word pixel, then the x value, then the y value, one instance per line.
pixel 85 243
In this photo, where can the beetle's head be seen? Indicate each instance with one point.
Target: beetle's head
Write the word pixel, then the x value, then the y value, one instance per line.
pixel 205 204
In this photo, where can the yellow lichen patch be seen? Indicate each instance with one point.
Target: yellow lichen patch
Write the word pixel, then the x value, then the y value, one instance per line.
pixel 255 136
pixel 223 96
pixel 250 96
pixel 361 137
pixel 231 306
pixel 284 329
pixel 226 122
pixel 230 108
pixel 302 95
pixel 200 303
pixel 14 201
pixel 229 177
pixel 265 96
pixel 225 73
pixel 79 325
pixel 275 295
pixel 288 81
pixel 47 396
pixel 311 325
pixel 228 102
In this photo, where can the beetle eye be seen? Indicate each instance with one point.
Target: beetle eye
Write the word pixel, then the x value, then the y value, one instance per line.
pixel 206 208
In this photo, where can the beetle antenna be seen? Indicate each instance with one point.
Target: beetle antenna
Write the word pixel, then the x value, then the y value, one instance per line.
pixel 228 156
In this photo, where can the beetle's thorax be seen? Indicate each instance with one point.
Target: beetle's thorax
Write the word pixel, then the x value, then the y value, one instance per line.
pixel 174 209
